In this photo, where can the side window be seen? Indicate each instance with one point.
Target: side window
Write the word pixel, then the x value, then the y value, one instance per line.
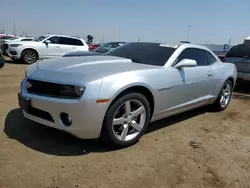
pixel 198 55
pixel 77 42
pixel 54 40
pixel 70 41
pixel 65 41
pixel 210 58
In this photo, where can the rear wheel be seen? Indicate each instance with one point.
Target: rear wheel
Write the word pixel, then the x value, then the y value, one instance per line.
pixel 29 56
pixel 224 97
pixel 125 121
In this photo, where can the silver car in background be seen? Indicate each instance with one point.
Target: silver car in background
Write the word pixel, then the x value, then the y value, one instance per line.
pixel 114 96
pixel 240 56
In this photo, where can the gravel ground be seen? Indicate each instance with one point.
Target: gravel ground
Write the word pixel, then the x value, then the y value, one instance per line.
pixel 200 148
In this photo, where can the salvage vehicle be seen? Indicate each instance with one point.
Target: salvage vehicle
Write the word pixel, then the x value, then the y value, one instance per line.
pixel 45 47
pixel 115 96
pixel 5 44
pixel 98 51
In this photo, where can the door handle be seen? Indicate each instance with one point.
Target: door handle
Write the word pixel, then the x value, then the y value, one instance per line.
pixel 57 46
pixel 209 73
pixel 74 47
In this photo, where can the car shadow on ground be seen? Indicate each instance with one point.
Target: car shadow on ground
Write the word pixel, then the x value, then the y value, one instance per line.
pixel 242 88
pixel 52 141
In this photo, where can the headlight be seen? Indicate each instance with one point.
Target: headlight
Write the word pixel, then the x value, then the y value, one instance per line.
pixel 79 90
pixel 15 45
pixel 72 91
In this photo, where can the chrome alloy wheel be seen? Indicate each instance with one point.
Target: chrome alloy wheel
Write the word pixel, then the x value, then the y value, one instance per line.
pixel 129 120
pixel 225 95
pixel 30 57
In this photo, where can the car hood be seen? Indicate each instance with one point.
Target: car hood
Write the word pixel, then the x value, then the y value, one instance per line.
pixel 89 67
pixel 22 42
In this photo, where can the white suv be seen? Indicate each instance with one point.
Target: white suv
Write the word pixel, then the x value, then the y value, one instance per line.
pixel 44 47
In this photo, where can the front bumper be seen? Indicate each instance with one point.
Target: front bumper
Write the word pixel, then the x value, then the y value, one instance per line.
pixel 87 116
pixel 13 53
pixel 243 76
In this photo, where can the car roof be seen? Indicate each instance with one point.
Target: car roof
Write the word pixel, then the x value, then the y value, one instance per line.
pixel 64 36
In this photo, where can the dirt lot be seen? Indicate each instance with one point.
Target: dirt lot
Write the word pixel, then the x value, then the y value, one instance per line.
pixel 195 149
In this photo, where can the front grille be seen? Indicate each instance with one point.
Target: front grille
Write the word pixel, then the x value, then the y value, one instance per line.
pixel 13 52
pixel 51 89
pixel 40 113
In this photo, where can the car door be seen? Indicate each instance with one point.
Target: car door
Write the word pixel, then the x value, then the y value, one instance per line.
pixel 52 49
pixel 190 86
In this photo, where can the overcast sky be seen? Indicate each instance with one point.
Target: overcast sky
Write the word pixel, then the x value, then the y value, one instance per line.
pixel 150 20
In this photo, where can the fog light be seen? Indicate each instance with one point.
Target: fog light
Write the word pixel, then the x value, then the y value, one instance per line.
pixel 66 119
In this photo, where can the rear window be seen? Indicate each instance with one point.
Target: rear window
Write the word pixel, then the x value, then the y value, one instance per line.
pixel 144 53
pixel 241 51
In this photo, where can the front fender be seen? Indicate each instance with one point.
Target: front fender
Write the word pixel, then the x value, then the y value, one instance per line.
pixel 29 47
pixel 112 86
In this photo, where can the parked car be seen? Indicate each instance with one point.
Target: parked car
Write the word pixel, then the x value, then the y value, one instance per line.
pixel 45 47
pixel 93 46
pixel 4 38
pixel 1 61
pixel 114 97
pixel 240 56
pixel 13 40
pixel 106 47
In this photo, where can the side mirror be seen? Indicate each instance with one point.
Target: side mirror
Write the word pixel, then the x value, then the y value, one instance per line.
pixel 186 63
pixel 47 42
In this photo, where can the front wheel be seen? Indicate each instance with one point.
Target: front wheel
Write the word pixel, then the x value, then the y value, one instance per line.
pixel 224 97
pixel 125 121
pixel 29 56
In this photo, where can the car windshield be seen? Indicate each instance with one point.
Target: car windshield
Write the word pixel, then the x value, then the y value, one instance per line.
pixel 38 39
pixel 107 47
pixel 240 51
pixel 144 53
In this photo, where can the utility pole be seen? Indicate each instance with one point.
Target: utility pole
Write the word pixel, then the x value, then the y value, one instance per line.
pixel 189 27
pixel 102 39
pixel 14 33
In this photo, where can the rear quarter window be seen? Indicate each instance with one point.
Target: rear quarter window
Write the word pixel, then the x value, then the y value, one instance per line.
pixel 241 51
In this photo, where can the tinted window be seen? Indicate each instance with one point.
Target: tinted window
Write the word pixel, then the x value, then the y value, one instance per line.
pixel 198 55
pixel 54 40
pixel 76 42
pixel 210 58
pixel 70 41
pixel 144 53
pixel 239 51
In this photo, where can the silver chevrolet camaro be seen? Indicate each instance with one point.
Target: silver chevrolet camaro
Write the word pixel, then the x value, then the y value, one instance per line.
pixel 114 96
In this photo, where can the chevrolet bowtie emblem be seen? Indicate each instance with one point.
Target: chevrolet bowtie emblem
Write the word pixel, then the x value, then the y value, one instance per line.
pixel 28 85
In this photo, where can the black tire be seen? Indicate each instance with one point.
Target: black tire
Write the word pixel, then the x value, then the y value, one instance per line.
pixel 29 56
pixel 217 104
pixel 108 137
